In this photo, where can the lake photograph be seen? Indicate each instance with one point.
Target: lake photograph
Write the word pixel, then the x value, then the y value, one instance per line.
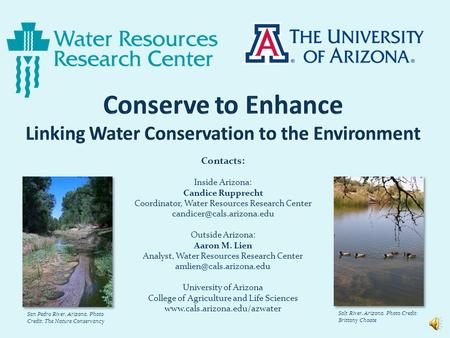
pixel 67 258
pixel 379 231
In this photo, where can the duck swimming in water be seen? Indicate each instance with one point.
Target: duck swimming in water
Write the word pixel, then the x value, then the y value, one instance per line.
pixel 410 255
pixel 345 253
pixel 360 255
pixel 389 255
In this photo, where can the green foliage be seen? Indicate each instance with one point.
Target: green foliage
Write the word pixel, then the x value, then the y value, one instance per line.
pixel 89 204
pixel 69 250
pixel 53 224
pixel 37 204
pixel 107 293
pixel 356 201
pixel 101 188
pixel 76 207
pixel 350 194
pixel 36 257
pixel 104 264
pixel 104 267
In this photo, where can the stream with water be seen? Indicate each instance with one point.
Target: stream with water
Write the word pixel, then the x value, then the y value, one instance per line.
pixel 83 289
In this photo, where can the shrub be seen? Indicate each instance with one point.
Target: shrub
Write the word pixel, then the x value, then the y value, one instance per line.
pixel 107 293
pixel 104 266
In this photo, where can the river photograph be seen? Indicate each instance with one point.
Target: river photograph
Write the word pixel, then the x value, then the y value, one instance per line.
pixel 67 255
pixel 379 233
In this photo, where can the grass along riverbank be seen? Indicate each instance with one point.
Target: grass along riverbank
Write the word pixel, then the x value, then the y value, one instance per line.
pixel 44 268
pixel 63 263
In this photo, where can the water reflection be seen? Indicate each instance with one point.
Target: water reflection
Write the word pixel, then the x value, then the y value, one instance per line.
pixel 374 280
pixel 87 250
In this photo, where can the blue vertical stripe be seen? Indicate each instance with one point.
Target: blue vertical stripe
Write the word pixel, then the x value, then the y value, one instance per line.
pixel 18 64
pixel 36 71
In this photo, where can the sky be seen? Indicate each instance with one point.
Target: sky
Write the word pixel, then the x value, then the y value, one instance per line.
pixel 60 186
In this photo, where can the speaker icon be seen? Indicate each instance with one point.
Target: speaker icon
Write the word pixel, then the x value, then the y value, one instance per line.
pixel 434 323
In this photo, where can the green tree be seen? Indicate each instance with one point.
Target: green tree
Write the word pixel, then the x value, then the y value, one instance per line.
pixel 77 207
pixel 37 204
pixel 89 204
pixel 102 203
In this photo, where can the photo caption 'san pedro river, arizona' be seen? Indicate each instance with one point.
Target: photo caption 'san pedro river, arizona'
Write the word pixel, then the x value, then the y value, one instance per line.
pixel 395 280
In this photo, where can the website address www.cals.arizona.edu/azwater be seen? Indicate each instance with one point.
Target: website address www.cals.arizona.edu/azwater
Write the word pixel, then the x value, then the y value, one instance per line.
pixel 222 214
pixel 212 308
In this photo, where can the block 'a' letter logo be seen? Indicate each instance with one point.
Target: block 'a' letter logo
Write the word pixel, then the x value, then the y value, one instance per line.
pixel 27 42
pixel 267 47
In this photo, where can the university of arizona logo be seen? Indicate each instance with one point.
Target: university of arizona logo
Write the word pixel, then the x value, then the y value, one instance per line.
pixel 27 40
pixel 267 46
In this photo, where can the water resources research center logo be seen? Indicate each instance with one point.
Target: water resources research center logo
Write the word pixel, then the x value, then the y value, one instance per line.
pixel 29 41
